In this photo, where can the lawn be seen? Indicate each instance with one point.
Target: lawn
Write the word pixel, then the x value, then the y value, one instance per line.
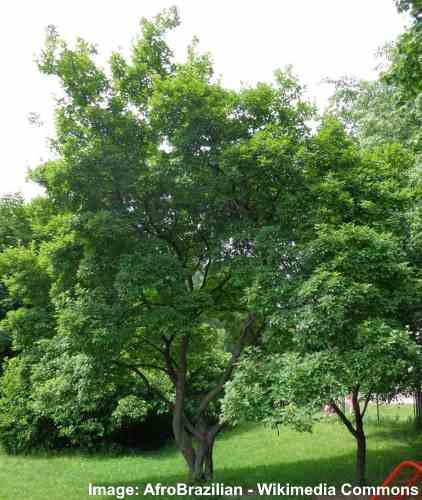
pixel 243 456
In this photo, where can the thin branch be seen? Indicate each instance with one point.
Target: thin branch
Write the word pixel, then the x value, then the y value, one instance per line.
pixel 207 267
pixel 168 358
pixel 216 429
pixel 154 367
pixel 229 369
pixel 222 283
pixel 365 405
pixel 343 418
pixel 154 346
pixel 150 388
pixel 159 234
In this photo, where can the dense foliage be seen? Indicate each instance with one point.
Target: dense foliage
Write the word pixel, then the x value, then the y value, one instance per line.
pixel 205 253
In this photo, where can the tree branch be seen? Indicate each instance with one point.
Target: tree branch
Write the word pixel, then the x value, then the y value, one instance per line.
pixel 168 359
pixel 206 270
pixel 150 388
pixel 154 367
pixel 229 369
pixel 366 403
pixel 343 418
pixel 180 386
pixel 222 283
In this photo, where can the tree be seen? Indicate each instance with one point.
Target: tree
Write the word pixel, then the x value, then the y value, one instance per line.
pixel 372 113
pixel 404 73
pixel 405 69
pixel 167 180
pixel 47 397
pixel 412 6
pixel 15 229
pixel 337 324
pixel 388 111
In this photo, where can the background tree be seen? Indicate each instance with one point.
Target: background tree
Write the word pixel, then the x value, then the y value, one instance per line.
pixel 386 111
pixel 14 230
pixel 337 324
pixel 371 111
pixel 414 7
pixel 47 391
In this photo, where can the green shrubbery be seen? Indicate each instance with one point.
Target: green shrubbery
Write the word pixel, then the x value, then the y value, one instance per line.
pixel 68 409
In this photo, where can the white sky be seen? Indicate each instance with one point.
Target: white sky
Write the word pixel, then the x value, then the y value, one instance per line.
pixel 248 39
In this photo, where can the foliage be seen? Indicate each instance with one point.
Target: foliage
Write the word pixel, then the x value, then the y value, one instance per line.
pixel 163 182
pixel 184 222
pixel 372 112
pixel 21 427
pixel 413 6
pixel 336 324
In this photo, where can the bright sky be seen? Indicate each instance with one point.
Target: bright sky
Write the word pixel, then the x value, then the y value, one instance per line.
pixel 248 39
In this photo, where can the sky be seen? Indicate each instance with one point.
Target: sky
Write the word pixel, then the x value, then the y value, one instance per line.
pixel 248 40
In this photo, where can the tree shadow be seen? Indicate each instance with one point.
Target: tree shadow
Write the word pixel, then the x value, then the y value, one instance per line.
pixel 333 472
pixel 167 450
pixel 396 430
pixel 237 431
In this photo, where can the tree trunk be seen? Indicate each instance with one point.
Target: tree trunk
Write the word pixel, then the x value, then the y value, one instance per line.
pixel 189 454
pixel 200 463
pixel 360 438
pixel 199 458
pixel 418 407
pixel 182 437
pixel 356 431
pixel 209 463
pixel 361 459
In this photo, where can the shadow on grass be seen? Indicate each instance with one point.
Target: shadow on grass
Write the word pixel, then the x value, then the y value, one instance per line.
pixel 233 432
pixel 395 430
pixel 389 429
pixel 166 451
pixel 334 471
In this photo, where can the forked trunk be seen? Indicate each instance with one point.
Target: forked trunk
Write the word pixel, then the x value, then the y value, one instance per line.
pixel 357 431
pixel 203 470
pixel 199 460
pixel 199 457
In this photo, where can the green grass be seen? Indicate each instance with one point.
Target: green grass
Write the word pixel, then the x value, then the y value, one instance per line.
pixel 243 456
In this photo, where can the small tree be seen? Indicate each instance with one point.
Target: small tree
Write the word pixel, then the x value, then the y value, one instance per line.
pixel 344 337
pixel 338 307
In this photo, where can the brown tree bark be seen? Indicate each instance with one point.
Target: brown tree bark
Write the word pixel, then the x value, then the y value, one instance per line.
pixel 360 438
pixel 357 431
pixel 418 406
pixel 195 438
pixel 361 459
